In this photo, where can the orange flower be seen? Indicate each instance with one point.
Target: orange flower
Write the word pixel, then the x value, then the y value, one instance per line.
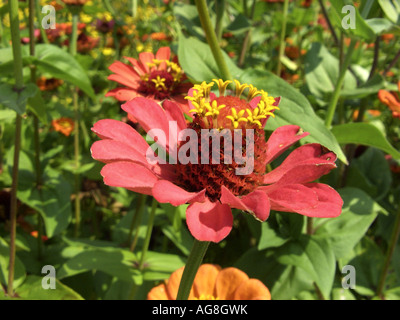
pixel 213 283
pixel 45 84
pixel 63 125
pixel 35 234
pixel 75 2
pixel 391 99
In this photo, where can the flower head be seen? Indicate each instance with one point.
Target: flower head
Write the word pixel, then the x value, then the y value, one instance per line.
pixel 63 125
pixel 392 100
pixel 213 283
pixel 215 177
pixel 155 77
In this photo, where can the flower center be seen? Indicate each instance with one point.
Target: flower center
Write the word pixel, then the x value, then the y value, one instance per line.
pixel 161 80
pixel 237 141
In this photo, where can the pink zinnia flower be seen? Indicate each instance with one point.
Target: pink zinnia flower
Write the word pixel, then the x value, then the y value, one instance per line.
pixel 213 189
pixel 154 77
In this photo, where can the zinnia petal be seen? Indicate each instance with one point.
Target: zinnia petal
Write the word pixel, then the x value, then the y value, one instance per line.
pixel 301 157
pixel 209 221
pixel 228 281
pixel 166 192
pixel 281 139
pixel 255 203
pixel 329 203
pixel 253 289
pixel 204 282
pixel 120 131
pixel 129 175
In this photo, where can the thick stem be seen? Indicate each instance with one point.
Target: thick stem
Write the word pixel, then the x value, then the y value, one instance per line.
pixel 150 224
pixel 19 84
pixel 220 9
pixel 392 244
pixel 336 93
pixel 212 40
pixel 193 263
pixel 282 38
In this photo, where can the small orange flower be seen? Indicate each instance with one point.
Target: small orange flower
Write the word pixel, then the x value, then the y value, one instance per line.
pixel 213 283
pixel 75 2
pixel 391 99
pixel 63 125
pixel 35 234
pixel 45 84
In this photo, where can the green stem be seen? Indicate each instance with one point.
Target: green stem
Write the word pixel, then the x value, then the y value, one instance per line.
pixel 150 224
pixel 212 40
pixel 193 263
pixel 246 41
pixel 135 221
pixel 19 84
pixel 36 137
pixel 336 93
pixel 134 8
pixel 282 38
pixel 73 51
pixel 389 254
pixel 38 17
pixel 220 9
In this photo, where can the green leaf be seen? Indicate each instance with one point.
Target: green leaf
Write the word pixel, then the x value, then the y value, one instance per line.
pixel 118 263
pixel 32 289
pixel 364 134
pixel 38 106
pixel 315 256
pixel 372 86
pixel 367 259
pixel 375 172
pixel 52 200
pixel 19 269
pixel 159 266
pixel 61 65
pixel 362 29
pixel 197 60
pixel 391 9
pixel 344 232
pixel 14 100
pixel 382 25
pixel 322 72
pixel 294 109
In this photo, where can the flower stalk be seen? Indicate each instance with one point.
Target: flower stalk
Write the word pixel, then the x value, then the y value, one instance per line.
pixel 389 254
pixel 19 85
pixel 282 38
pixel 150 224
pixel 194 261
pixel 212 40
pixel 338 87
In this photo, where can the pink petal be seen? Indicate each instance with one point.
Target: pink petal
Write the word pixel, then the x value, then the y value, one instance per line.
pixel 301 157
pixel 166 192
pixel 123 94
pixel 120 131
pixel 164 53
pixel 149 114
pixel 145 58
pixel 281 139
pixel 137 66
pixel 111 151
pixel 209 221
pixel 256 203
pixel 124 74
pixel 292 198
pixel 130 176
pixel 174 113
pixel 329 203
